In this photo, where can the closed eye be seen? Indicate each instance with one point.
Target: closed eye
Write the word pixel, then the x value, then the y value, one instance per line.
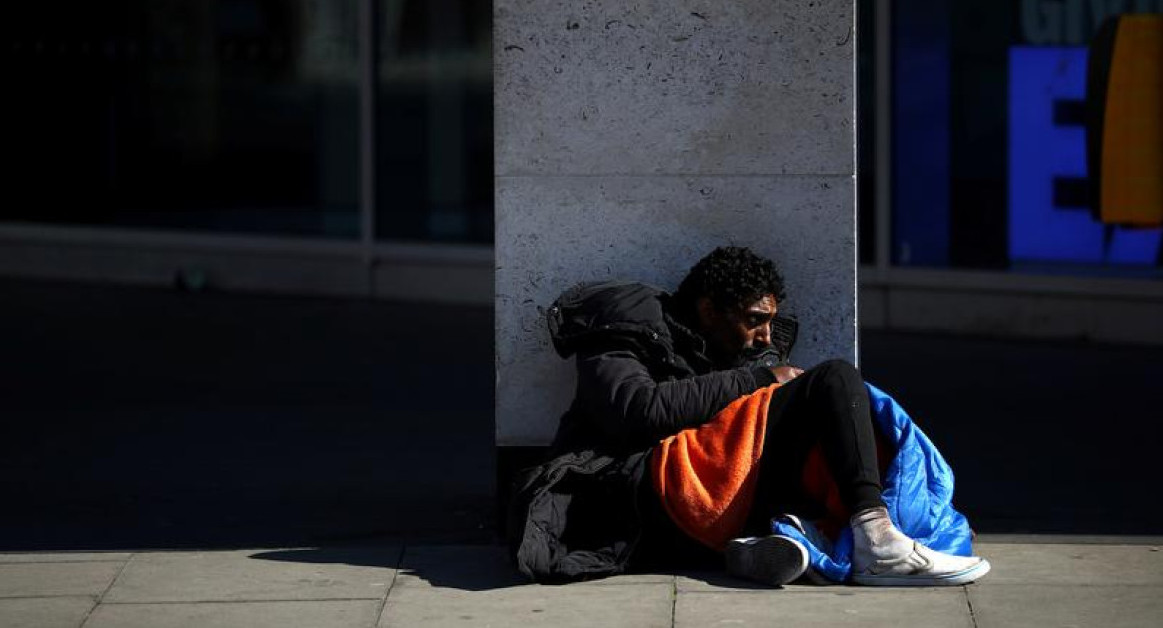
pixel 758 321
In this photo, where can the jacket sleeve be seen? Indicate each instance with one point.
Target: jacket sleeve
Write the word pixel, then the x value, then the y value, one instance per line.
pixel 631 408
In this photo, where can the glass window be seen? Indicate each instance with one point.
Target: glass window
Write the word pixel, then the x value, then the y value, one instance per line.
pixel 989 165
pixel 866 188
pixel 236 115
pixel 434 123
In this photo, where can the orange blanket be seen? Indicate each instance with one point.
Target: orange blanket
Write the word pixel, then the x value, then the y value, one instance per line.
pixel 706 476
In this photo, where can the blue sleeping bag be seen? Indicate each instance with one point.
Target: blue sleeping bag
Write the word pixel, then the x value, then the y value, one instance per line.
pixel 918 490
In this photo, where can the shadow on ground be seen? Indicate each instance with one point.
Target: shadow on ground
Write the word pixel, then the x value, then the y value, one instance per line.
pixel 472 568
pixel 135 418
pixel 477 568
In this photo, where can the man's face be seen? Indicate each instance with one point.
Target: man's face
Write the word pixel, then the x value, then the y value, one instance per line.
pixel 731 331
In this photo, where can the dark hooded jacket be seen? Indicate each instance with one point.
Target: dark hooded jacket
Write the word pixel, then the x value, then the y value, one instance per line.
pixel 642 375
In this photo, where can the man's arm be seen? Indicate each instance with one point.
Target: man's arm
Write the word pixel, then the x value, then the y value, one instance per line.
pixel 631 408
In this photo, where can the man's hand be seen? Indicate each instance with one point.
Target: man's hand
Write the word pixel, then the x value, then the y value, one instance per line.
pixel 784 374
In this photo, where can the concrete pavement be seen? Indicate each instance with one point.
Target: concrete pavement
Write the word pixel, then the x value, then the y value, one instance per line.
pixel 1036 581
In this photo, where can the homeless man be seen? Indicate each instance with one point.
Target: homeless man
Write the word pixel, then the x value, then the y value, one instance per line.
pixel 690 437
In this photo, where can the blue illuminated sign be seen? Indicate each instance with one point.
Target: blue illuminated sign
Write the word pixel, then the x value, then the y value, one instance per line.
pixel 1048 219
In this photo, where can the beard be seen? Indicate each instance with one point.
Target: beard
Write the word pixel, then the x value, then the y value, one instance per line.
pixel 759 355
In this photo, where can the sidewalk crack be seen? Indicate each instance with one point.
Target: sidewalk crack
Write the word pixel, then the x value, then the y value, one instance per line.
pixel 969 603
pixel 391 585
pixel 101 598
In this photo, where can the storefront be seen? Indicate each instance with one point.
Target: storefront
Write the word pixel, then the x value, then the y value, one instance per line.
pixel 980 222
pixel 313 147
pixel 346 148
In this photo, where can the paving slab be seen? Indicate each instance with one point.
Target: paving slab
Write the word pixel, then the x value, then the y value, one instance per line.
pixel 1070 539
pixel 529 606
pixel 315 614
pixel 1072 564
pixel 701 581
pixel 44 612
pixel 227 576
pixel 466 567
pixel 832 606
pixel 48 579
pixel 1067 605
pixel 634 578
pixel 483 567
pixel 65 557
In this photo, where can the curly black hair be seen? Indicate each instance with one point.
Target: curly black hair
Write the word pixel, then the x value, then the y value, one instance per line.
pixel 731 276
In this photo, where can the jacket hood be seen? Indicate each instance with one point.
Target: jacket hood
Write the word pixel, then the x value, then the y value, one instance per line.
pixel 605 307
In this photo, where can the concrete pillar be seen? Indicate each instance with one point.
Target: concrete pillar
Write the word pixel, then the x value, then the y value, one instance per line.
pixel 633 136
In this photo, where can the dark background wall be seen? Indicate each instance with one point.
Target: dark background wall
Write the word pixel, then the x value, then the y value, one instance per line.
pixel 149 418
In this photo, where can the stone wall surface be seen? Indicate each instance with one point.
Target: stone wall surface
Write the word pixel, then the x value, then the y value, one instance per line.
pixel 633 137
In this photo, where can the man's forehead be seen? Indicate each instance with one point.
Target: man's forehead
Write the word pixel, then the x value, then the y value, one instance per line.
pixel 761 306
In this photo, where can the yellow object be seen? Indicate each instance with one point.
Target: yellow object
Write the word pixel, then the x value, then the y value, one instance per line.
pixel 1132 143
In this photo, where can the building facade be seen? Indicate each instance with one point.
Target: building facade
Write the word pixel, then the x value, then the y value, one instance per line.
pixel 346 148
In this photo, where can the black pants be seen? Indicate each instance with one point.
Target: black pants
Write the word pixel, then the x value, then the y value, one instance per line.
pixel 826 405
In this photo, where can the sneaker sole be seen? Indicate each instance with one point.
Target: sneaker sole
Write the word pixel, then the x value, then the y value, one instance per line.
pixel 775 560
pixel 964 576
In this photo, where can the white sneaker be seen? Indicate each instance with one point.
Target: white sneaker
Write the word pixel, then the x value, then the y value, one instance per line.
pixel 775 560
pixel 923 567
